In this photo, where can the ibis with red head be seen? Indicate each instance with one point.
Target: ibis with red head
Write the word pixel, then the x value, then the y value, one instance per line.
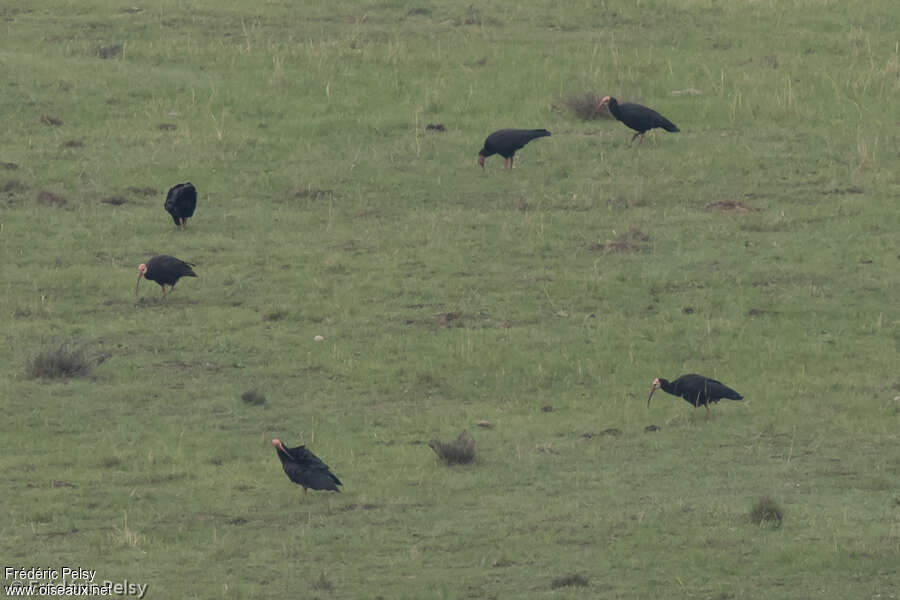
pixel 165 270
pixel 305 468
pixel 697 390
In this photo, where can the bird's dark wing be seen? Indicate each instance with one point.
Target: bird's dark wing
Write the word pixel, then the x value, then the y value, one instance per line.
pixel 306 469
pixel 171 266
pixel 642 118
pixel 693 386
pixel 505 142
pixel 717 389
pixel 664 123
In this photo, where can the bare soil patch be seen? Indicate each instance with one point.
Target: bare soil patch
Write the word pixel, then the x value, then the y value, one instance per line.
pixel 626 243
pixel 731 206
pixel 48 198
pixel 142 191
pixel 770 60
pixel 299 193
pixel 449 319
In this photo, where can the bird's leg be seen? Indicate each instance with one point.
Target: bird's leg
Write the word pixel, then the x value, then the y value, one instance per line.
pixel 634 136
pixel 707 411
pixel 507 163
pixel 164 292
pixel 181 223
pixel 642 138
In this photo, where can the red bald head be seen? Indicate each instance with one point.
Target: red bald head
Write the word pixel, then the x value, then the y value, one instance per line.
pixel 277 443
pixel 481 160
pixel 605 100
pixel 142 270
pixel 653 388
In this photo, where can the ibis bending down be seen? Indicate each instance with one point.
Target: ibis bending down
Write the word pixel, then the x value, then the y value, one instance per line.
pixel 695 389
pixel 181 202
pixel 164 270
pixel 505 142
pixel 637 117
pixel 305 469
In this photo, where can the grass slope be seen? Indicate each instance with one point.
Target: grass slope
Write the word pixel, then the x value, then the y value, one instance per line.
pixel 757 246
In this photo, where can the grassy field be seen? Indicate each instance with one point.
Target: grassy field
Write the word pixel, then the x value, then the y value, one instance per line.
pixel 758 246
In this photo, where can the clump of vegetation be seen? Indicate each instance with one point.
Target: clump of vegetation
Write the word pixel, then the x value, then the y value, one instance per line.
pixel 124 537
pixel 449 319
pixel 323 583
pixel 459 452
pixel 571 580
pixel 111 461
pixel 585 106
pixel 766 510
pixel 275 315
pixel 627 242
pixel 61 361
pixel 253 397
pixel 12 186
pixel 48 198
pixel 108 51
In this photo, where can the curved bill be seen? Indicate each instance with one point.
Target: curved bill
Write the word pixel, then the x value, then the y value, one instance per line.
pixel 138 284
pixel 652 389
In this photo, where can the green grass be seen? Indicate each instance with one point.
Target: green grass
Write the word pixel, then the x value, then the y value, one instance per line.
pixel 448 296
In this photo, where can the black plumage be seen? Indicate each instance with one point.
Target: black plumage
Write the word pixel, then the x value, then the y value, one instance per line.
pixel 697 390
pixel 164 270
pixel 638 117
pixel 181 202
pixel 505 142
pixel 305 468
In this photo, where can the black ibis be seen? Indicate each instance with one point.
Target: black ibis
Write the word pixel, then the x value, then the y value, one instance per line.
pixel 637 117
pixel 695 389
pixel 505 142
pixel 181 202
pixel 305 469
pixel 164 270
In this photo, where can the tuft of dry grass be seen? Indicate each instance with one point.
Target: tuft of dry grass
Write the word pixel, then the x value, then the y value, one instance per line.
pixel 61 361
pixel 570 580
pixel 459 452
pixel 766 510
pixel 584 106
pixel 48 198
pixel 323 583
pixel 302 192
pixel 124 537
pixel 627 242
